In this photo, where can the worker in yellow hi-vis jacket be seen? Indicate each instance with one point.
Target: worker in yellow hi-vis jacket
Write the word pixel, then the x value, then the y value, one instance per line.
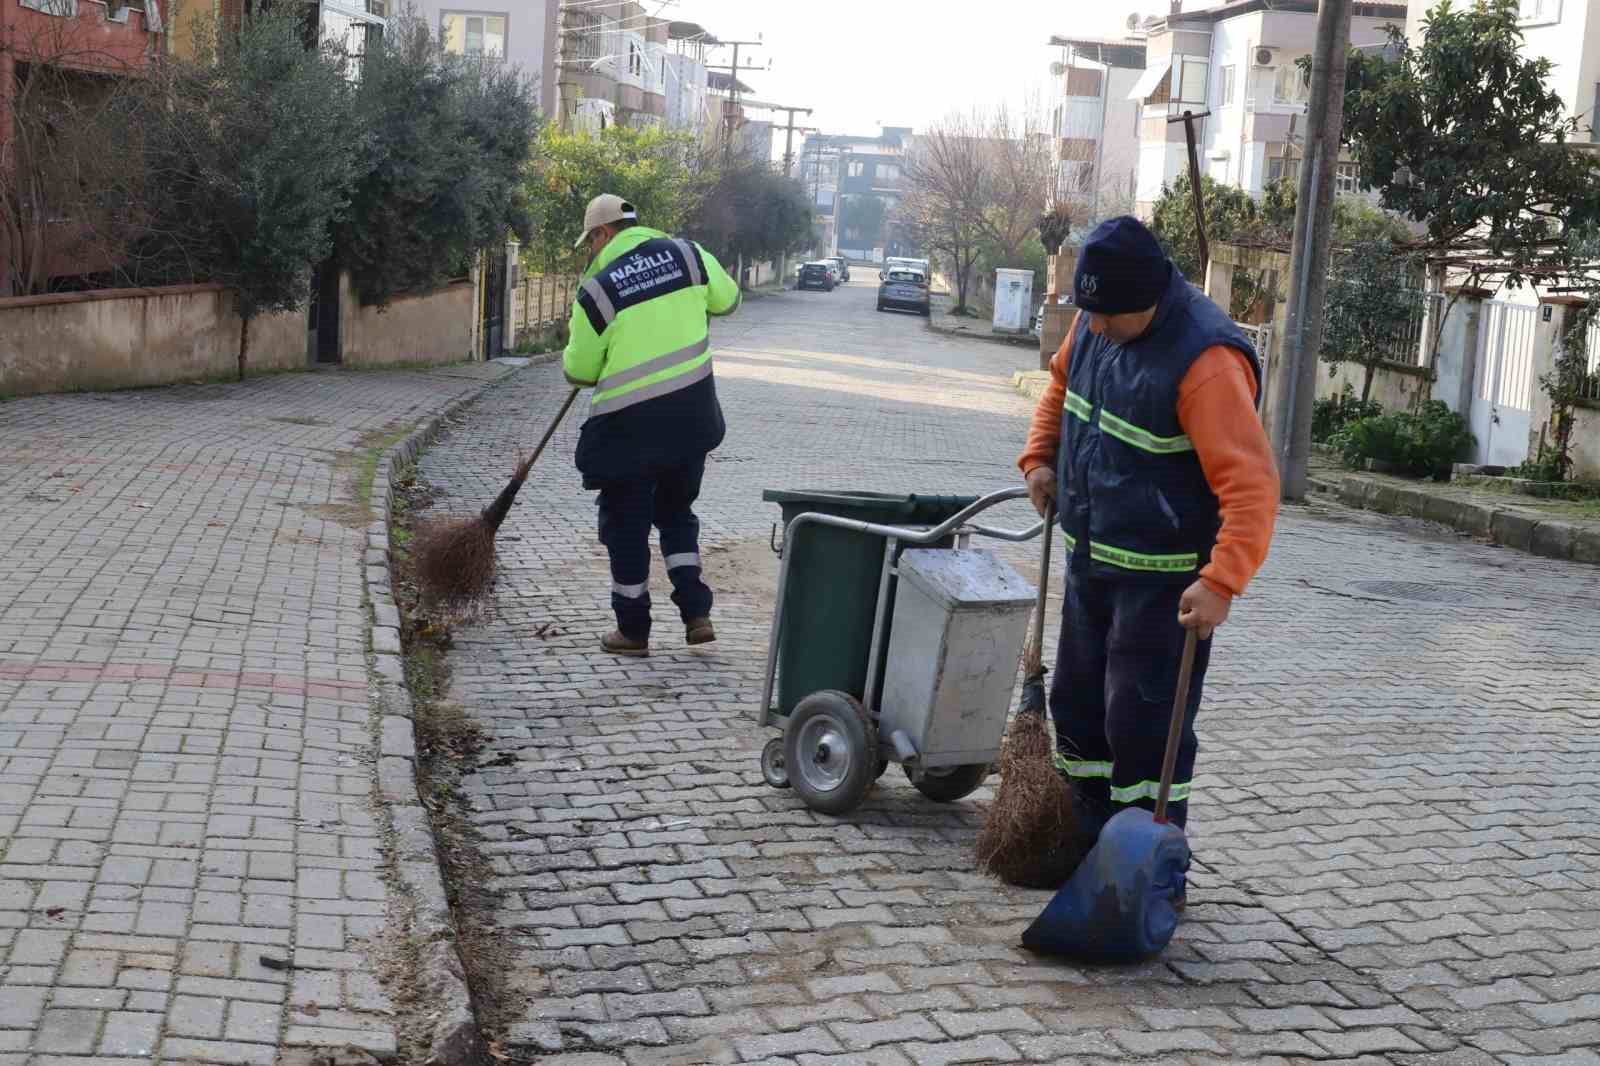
pixel 639 336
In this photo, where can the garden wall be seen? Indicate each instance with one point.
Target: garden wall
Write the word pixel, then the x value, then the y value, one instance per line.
pixel 1395 386
pixel 133 338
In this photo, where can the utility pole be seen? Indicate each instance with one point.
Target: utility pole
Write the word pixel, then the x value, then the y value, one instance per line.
pixel 731 119
pixel 1308 263
pixel 788 139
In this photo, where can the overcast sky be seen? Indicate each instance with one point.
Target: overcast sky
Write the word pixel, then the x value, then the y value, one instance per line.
pixel 864 63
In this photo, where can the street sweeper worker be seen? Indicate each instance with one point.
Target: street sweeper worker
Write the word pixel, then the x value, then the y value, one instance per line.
pixel 639 336
pixel 1148 440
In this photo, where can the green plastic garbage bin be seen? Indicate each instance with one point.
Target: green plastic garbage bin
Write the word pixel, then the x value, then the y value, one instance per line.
pixel 832 597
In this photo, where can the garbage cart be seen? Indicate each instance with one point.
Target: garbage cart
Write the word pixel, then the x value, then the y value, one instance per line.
pixel 892 640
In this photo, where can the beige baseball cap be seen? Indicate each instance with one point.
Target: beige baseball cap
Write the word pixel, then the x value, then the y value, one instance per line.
pixel 603 210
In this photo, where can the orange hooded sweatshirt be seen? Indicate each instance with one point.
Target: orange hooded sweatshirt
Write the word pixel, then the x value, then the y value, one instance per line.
pixel 1216 407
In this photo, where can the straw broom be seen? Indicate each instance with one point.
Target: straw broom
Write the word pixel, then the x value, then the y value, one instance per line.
pixel 454 558
pixel 1031 835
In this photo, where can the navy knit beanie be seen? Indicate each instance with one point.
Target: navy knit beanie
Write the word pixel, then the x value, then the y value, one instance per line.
pixel 1121 269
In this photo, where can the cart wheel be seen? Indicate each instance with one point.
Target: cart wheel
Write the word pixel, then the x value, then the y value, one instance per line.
pixel 830 750
pixel 773 771
pixel 946 784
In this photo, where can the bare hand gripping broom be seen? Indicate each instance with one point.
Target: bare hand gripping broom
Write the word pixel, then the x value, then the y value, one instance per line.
pixel 455 558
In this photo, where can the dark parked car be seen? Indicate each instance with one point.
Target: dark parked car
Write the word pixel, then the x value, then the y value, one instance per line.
pixel 815 276
pixel 905 289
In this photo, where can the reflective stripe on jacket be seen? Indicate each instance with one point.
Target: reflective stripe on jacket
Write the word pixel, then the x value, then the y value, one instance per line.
pixel 639 335
pixel 1135 503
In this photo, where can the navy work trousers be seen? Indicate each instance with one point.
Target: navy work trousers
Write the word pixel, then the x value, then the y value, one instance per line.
pixel 1115 679
pixel 664 499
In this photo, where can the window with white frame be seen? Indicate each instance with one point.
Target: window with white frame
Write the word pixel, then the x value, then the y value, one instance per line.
pixel 1225 86
pixel 1538 12
pixel 1291 85
pixel 1347 178
pixel 857 168
pixel 1189 76
pixel 64 8
pixel 478 34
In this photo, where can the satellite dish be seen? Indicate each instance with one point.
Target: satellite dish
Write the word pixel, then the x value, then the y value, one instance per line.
pixel 1133 22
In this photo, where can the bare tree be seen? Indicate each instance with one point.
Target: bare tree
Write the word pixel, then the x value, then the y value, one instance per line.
pixel 976 184
pixel 60 155
pixel 948 183
pixel 1017 150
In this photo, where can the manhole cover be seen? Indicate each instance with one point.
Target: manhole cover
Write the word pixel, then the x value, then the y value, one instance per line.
pixel 1413 590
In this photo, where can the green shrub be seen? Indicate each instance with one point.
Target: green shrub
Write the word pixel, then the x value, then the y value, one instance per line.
pixel 1332 414
pixel 1423 444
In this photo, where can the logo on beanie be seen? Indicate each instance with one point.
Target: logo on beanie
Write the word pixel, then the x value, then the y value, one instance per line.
pixel 1088 284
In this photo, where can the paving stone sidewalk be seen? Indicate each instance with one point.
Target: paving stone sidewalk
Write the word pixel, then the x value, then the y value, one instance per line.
pixel 185 721
pixel 1396 860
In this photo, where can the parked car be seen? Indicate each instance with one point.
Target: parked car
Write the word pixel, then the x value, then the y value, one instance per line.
pixel 843 266
pixel 899 261
pixel 905 288
pixel 815 276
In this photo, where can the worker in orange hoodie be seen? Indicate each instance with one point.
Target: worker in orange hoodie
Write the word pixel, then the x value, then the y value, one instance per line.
pixel 1149 442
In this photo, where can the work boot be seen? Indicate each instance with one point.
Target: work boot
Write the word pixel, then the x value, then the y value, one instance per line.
pixel 699 631
pixel 617 644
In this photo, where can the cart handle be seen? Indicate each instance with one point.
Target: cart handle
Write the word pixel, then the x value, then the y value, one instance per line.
pixel 919 535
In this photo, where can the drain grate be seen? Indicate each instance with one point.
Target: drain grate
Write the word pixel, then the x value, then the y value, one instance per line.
pixel 1421 591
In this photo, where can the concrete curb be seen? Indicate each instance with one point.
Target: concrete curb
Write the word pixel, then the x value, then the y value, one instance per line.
pixel 453 1037
pixel 1524 530
pixel 1026 340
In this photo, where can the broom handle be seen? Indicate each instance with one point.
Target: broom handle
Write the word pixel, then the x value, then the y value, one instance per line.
pixel 527 464
pixel 1047 534
pixel 1180 704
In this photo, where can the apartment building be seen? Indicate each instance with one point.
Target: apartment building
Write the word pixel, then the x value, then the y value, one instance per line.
pixel 519 33
pixel 856 184
pixel 1094 125
pixel 1566 32
pixel 1239 61
pixel 611 65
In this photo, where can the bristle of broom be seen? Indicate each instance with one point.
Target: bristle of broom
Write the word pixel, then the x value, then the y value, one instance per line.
pixel 453 559
pixel 1030 836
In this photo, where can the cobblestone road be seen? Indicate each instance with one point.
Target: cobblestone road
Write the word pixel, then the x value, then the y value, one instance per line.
pixel 1396 860
pixel 185 727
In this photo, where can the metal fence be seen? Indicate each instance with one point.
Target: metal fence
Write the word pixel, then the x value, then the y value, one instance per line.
pixel 543 299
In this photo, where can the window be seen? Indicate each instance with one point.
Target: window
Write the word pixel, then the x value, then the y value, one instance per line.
pixel 474 35
pixel 586 33
pixel 64 8
pixel 635 59
pixel 1280 169
pixel 888 173
pixel 857 168
pixel 1225 87
pixel 1291 85
pixel 1347 178
pixel 1189 79
pixel 1083 81
pixel 1538 12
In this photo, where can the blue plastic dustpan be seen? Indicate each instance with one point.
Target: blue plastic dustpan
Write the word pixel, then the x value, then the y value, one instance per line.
pixel 1120 904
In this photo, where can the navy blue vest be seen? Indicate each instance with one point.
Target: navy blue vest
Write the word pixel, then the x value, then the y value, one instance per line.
pixel 1135 504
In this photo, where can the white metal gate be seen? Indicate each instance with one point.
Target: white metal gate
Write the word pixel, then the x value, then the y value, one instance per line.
pixel 1502 397
pixel 1261 337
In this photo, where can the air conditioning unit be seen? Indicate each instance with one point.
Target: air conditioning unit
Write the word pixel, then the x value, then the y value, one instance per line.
pixel 1265 56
